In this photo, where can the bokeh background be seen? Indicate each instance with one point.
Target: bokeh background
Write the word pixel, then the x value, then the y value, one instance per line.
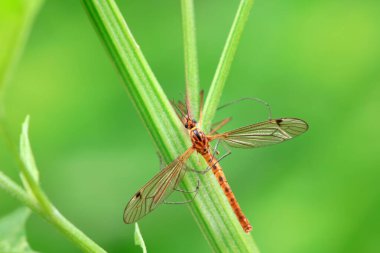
pixel 316 60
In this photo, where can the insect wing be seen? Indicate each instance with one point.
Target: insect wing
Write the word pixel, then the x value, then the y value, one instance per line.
pixel 265 133
pixel 156 190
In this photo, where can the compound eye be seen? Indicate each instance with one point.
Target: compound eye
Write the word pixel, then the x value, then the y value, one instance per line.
pixel 186 125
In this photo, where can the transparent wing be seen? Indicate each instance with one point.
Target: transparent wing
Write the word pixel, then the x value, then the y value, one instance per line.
pixel 156 190
pixel 265 133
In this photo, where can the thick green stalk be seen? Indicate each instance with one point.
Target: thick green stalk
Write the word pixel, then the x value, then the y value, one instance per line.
pixel 210 209
pixel 191 58
pixel 225 61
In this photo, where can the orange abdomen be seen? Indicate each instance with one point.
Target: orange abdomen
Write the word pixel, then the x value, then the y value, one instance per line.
pixel 218 172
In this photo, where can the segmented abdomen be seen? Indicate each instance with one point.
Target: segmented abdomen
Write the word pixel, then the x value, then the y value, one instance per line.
pixel 218 172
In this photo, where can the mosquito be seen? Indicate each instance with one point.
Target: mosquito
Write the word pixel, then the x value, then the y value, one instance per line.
pixel 158 189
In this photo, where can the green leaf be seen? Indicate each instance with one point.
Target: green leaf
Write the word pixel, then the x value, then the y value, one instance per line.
pixel 12 232
pixel 29 172
pixel 26 151
pixel 16 20
pixel 139 239
pixel 26 156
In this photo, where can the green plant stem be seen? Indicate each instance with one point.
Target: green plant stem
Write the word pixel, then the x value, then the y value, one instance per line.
pixel 18 193
pixel 72 232
pixel 191 58
pixel 224 65
pixel 210 209
pixel 54 217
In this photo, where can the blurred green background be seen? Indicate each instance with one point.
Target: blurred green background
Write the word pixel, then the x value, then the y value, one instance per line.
pixel 316 60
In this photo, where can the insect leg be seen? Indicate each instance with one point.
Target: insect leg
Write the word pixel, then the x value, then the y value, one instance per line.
pixel 225 146
pixel 252 99
pixel 187 201
pixel 219 125
pixel 162 163
pixel 184 191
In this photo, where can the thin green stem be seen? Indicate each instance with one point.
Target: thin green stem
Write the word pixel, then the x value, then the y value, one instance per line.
pixel 191 58
pixel 225 62
pixel 54 217
pixel 73 233
pixel 18 193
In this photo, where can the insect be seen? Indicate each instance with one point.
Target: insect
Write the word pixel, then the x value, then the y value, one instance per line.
pixel 154 192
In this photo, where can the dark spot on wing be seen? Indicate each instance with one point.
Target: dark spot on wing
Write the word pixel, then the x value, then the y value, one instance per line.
pixel 278 121
pixel 138 195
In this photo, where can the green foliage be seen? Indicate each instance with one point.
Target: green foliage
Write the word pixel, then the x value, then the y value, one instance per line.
pixel 317 60
pixel 36 199
pixel 139 240
pixel 16 19
pixel 12 232
pixel 27 157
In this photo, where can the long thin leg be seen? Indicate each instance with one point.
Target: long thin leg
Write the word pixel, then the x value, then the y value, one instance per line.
pixel 162 163
pixel 225 146
pixel 252 99
pixel 216 149
pixel 220 124
pixel 184 191
pixel 208 167
pixel 187 201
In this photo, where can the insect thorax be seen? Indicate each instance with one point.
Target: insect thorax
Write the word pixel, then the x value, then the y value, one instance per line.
pixel 199 140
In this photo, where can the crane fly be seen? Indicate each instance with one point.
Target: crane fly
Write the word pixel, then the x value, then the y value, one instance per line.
pixel 154 192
